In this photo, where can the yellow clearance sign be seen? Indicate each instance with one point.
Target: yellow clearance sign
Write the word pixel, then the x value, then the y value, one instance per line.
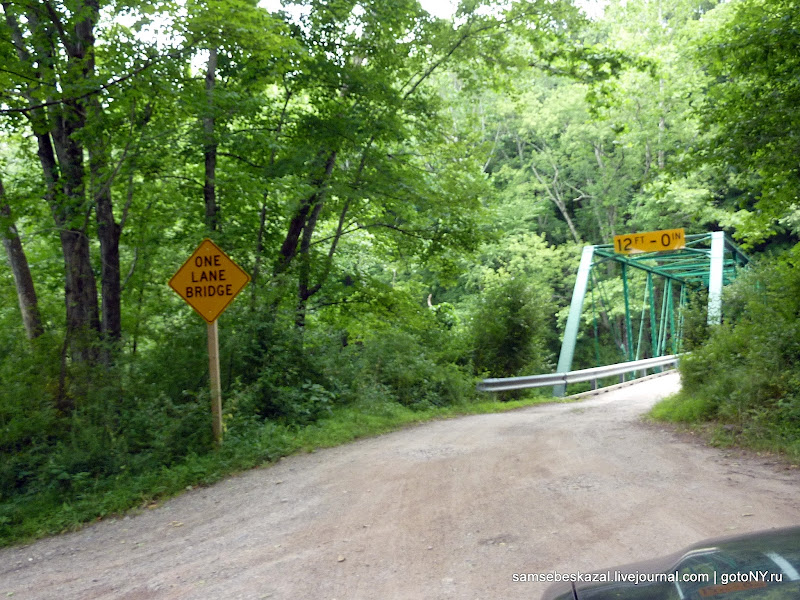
pixel 652 241
pixel 209 281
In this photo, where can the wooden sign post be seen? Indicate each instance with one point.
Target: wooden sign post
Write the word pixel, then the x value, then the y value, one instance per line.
pixel 216 386
pixel 209 281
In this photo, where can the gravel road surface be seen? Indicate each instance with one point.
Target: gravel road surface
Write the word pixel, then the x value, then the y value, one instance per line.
pixel 446 510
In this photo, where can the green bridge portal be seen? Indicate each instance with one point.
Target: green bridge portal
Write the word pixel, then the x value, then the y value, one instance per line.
pixel 709 260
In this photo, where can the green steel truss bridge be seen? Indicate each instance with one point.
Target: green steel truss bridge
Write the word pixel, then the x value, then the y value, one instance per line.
pixel 664 279
pixel 652 337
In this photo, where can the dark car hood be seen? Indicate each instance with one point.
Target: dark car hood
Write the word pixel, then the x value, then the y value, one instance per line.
pixel 763 565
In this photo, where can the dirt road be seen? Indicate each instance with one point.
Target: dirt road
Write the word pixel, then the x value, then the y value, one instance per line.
pixel 447 510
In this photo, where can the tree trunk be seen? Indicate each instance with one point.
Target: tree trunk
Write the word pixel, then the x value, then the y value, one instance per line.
pixel 298 222
pixel 554 194
pixel 304 288
pixel 71 214
pixel 26 293
pixel 210 145
pixel 80 294
pixel 68 206
pixel 81 53
pixel 108 233
pixel 108 230
pixel 57 135
pixel 80 288
pixel 61 55
pixel 65 194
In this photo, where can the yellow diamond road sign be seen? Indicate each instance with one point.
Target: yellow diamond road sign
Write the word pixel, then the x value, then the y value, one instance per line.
pixel 209 280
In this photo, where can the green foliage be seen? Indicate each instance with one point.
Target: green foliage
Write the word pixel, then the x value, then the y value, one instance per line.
pixel 278 380
pixel 74 492
pixel 751 51
pixel 118 426
pixel 509 329
pixel 696 329
pixel 747 373
pixel 683 408
pixel 397 366
pixel 142 428
pixel 409 195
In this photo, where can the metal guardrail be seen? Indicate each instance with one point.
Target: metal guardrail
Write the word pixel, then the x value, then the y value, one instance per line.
pixel 533 381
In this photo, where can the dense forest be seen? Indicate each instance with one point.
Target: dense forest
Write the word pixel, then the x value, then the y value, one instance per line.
pixel 409 195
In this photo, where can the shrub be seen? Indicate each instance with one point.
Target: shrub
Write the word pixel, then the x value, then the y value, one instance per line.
pixel 509 329
pixel 747 372
pixel 399 366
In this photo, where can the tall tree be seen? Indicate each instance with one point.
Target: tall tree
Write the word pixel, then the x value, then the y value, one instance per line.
pixel 65 84
pixel 53 77
pixel 751 51
pixel 23 281
pixel 210 144
pixel 367 71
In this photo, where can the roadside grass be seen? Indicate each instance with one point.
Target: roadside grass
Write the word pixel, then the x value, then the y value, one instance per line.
pixel 697 414
pixel 25 519
pixel 741 379
pixel 682 408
